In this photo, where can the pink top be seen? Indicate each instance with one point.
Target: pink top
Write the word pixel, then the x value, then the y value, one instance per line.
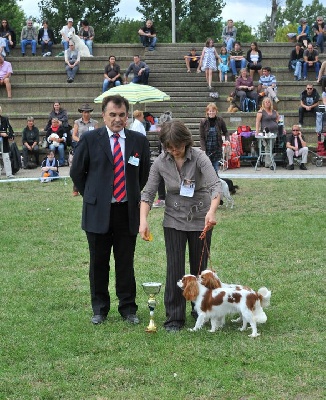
pixel 5 68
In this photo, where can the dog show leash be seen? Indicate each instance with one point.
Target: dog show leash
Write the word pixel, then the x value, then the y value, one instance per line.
pixel 202 236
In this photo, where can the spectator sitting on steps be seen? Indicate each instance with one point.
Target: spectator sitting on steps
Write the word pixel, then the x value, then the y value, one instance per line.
pixel 322 76
pixel 30 139
pixel 72 60
pixel 192 60
pixel 87 34
pixel 296 147
pixel 296 60
pixel 56 139
pixel 28 36
pixel 310 57
pixel 237 59
pixel 303 32
pixel 5 74
pixel 112 76
pixel 267 85
pixel 140 71
pixel 65 31
pixel 245 88
pixel 309 102
pixel 46 39
pixel 148 35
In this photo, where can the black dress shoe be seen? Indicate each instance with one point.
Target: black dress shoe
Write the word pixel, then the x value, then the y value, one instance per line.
pixel 98 319
pixel 131 318
pixel 290 167
pixel 303 167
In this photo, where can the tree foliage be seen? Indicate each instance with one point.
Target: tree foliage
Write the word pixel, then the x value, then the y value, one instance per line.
pixel 195 20
pixel 288 17
pixel 126 31
pixel 99 13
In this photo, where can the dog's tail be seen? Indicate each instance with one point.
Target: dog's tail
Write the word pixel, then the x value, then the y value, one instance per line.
pixel 233 189
pixel 265 296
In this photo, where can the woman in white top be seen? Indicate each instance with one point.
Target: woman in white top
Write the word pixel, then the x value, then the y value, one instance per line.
pixel 138 125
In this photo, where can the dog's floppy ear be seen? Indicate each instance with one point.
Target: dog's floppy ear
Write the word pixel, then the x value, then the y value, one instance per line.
pixel 210 281
pixel 191 291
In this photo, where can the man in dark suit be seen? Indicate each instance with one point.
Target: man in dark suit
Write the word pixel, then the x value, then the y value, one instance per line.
pixel 109 221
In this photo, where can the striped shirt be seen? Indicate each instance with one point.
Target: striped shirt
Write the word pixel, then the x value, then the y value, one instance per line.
pixel 267 80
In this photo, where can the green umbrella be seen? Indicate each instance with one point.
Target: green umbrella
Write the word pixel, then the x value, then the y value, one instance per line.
pixel 135 93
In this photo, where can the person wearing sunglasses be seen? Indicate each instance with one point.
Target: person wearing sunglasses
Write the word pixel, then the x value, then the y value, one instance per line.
pixel 72 60
pixel 296 147
pixel 309 102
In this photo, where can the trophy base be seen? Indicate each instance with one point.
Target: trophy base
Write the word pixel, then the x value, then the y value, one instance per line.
pixel 152 328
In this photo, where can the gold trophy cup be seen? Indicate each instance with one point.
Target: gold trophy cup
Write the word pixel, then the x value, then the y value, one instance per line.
pixel 151 289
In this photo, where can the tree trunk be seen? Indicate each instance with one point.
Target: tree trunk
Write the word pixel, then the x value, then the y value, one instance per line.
pixel 271 31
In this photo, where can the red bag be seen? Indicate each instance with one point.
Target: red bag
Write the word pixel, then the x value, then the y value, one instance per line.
pixel 243 128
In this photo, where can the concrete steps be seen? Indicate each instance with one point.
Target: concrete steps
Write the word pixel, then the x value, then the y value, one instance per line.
pixel 38 81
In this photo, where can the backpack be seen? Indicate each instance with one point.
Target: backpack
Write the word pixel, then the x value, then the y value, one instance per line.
pixel 243 128
pixel 248 105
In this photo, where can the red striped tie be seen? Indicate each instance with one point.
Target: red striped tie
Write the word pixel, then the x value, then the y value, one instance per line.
pixel 119 183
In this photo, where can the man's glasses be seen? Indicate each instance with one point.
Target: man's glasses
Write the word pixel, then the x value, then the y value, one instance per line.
pixel 309 88
pixel 295 130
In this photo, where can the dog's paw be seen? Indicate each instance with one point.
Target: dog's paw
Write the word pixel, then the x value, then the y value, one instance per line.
pixel 254 335
pixel 192 329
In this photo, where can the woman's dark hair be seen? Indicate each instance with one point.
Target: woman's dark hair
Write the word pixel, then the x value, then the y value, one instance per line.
pixel 84 22
pixel 256 45
pixel 8 26
pixel 175 134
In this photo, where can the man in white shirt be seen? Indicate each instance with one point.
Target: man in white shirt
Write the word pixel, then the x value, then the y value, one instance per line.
pixel 65 31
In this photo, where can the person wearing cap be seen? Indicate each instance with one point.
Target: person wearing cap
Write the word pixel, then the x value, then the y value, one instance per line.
pixel 72 60
pixel 192 60
pixel 65 31
pixel 28 36
pixel 82 125
pixel 303 32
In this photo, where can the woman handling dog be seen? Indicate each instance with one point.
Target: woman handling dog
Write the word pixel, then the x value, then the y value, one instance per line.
pixel 193 195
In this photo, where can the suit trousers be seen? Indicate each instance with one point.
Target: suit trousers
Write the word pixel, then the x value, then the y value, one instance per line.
pixel 123 244
pixel 175 244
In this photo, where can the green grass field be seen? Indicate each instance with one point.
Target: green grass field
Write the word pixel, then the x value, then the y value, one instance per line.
pixel 274 237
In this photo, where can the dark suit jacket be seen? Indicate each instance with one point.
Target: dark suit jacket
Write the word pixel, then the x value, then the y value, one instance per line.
pixel 92 173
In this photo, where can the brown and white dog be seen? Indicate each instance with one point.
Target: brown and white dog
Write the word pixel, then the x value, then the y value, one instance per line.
pixel 215 304
pixel 209 279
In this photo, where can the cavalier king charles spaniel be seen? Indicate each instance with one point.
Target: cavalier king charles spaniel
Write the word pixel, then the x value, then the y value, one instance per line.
pixel 215 303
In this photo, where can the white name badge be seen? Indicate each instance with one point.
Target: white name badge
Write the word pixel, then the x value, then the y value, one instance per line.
pixel 187 188
pixel 133 161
